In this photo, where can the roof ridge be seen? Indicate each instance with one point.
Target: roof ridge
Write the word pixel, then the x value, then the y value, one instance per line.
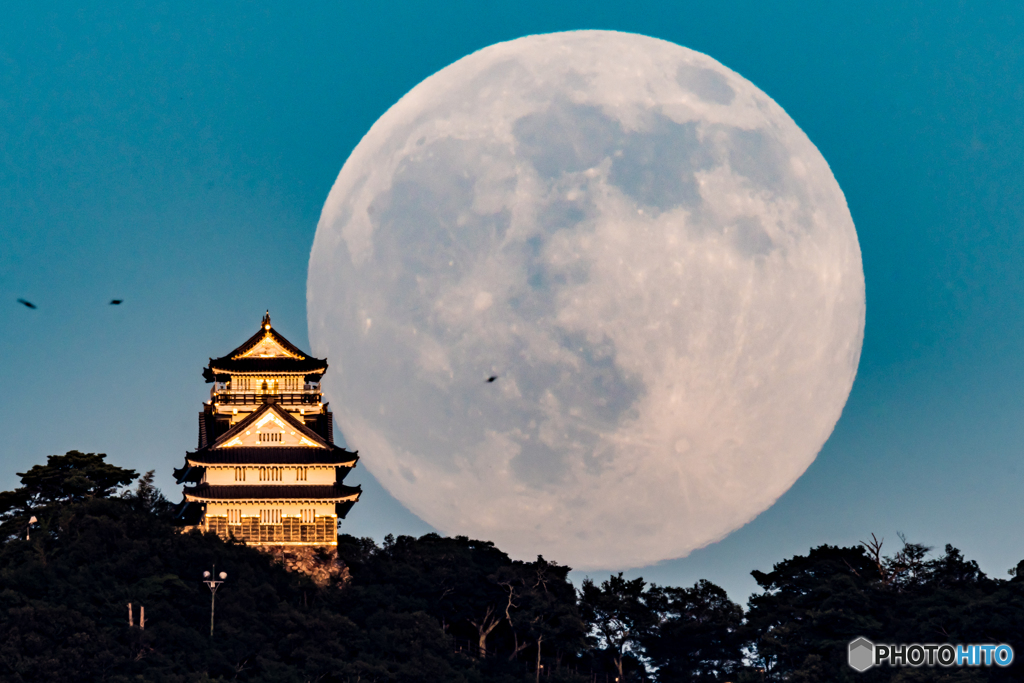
pixel 258 339
pixel 266 329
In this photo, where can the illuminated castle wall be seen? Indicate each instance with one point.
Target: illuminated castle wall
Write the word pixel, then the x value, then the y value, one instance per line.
pixel 266 470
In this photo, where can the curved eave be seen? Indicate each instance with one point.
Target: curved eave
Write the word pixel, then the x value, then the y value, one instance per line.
pixel 270 463
pixel 341 509
pixel 281 456
pixel 283 499
pixel 187 513
pixel 189 473
pixel 268 373
pixel 264 493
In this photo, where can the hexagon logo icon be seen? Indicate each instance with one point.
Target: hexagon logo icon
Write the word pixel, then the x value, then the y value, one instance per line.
pixel 861 654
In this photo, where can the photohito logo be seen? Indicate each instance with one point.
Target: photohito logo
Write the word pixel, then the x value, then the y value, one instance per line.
pixel 863 654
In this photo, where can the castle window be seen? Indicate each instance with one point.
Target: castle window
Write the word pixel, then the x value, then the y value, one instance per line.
pixel 234 516
pixel 239 474
pixel 301 473
pixel 308 516
pixel 270 516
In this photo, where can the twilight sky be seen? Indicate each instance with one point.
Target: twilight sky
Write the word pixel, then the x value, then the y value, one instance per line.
pixel 179 159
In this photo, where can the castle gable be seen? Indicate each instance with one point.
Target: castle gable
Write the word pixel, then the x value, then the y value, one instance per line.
pixel 270 427
pixel 268 347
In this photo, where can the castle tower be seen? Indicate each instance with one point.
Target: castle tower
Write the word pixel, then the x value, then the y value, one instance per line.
pixel 267 471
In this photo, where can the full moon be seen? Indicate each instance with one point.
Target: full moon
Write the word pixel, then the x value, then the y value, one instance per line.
pixel 651 263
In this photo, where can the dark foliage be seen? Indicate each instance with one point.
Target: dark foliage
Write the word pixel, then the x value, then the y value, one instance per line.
pixel 622 616
pixel 498 612
pixel 410 612
pixel 812 607
pixel 699 636
pixel 442 609
pixel 68 478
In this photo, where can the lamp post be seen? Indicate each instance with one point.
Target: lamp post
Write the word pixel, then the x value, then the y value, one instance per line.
pixel 213 580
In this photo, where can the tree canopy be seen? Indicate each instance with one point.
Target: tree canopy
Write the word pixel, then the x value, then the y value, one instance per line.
pixel 68 478
pixel 443 609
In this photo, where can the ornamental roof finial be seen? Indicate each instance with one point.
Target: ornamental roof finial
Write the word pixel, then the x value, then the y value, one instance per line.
pixel 266 321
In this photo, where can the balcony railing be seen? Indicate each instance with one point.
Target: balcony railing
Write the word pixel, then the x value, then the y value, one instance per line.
pixel 255 399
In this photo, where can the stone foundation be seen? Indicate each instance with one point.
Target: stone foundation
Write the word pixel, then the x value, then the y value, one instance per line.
pixel 249 529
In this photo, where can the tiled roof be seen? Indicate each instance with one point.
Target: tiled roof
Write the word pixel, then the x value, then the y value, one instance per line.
pixel 335 492
pixel 273 456
pixel 192 475
pixel 188 514
pixel 230 363
pixel 266 365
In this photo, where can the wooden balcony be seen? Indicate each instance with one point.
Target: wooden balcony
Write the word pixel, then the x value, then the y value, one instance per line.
pixel 232 398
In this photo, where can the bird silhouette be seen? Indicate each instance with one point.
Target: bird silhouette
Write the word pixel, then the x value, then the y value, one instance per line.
pixel 27 304
pixel 116 302
pixel 491 378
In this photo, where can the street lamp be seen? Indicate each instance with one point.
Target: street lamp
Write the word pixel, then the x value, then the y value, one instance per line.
pixel 213 580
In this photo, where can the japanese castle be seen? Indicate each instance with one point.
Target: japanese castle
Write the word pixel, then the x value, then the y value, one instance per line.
pixel 267 471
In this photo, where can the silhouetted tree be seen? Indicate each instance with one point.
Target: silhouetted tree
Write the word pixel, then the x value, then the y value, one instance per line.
pixel 620 615
pixel 699 635
pixel 541 610
pixel 400 612
pixel 810 607
pixel 72 477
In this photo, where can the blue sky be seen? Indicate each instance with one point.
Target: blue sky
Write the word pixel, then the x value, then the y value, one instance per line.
pixel 178 158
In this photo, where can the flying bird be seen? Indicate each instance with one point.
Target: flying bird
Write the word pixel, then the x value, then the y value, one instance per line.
pixel 491 378
pixel 27 304
pixel 116 302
